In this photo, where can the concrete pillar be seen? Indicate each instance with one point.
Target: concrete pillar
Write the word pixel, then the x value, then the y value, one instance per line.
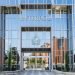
pixel 21 61
pixel 49 61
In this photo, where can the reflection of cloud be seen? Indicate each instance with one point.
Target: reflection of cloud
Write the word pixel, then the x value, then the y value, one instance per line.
pixel 6 44
pixel 52 1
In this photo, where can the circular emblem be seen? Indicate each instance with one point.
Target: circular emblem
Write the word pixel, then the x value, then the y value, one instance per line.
pixel 36 40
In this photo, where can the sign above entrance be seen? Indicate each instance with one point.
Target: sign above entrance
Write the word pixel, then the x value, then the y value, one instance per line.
pixel 36 6
pixel 23 29
pixel 35 49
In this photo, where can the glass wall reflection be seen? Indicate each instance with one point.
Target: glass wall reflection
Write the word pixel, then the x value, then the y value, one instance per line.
pixel 35 39
pixel 56 18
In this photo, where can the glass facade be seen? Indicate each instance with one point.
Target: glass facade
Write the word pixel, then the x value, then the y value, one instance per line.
pixel 59 15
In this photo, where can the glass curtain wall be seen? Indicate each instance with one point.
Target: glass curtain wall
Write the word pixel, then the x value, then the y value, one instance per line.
pixel 26 18
pixel 55 17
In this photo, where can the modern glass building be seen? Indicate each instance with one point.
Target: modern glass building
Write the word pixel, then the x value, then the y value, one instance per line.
pixel 37 34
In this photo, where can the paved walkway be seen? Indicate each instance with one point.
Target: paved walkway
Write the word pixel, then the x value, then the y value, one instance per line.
pixel 31 72
pixel 34 72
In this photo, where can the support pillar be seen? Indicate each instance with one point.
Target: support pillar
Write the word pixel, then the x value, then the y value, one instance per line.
pixel 2 37
pixel 69 37
pixel 21 62
pixel 49 61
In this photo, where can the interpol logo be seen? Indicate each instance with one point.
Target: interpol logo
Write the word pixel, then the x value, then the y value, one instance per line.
pixel 35 40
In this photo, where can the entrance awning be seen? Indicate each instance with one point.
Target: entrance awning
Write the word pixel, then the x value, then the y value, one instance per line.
pixel 23 29
pixel 35 49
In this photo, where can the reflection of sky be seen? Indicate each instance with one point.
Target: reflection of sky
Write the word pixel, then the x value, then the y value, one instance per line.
pixel 16 2
pixel 14 22
pixel 29 37
pixel 35 1
pixel 50 21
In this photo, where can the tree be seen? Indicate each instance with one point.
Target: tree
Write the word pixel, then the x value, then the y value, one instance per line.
pixel 9 60
pixel 5 57
pixel 67 61
pixel 13 58
pixel 15 55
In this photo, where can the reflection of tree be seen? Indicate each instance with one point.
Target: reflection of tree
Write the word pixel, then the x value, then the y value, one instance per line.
pixel 39 61
pixel 33 61
pixel 67 60
pixel 12 58
pixel 5 57
pixel 45 45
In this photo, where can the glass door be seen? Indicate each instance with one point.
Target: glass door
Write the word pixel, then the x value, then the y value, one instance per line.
pixel 36 61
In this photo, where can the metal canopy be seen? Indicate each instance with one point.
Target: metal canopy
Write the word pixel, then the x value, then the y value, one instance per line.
pixel 36 6
pixel 35 49
pixel 23 29
pixel 19 8
pixel 9 10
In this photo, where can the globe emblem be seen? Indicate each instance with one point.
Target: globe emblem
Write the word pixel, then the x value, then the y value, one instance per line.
pixel 35 40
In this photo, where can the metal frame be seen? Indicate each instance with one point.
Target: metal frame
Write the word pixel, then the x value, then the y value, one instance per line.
pixel 23 50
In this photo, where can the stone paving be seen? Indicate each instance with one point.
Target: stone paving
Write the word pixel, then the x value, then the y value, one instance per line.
pixel 34 72
pixel 29 72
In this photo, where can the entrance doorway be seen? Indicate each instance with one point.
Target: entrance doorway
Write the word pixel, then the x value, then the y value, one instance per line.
pixel 36 61
pixel 36 48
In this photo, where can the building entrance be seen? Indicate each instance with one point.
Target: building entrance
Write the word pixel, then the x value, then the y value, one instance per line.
pixel 36 48
pixel 36 61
